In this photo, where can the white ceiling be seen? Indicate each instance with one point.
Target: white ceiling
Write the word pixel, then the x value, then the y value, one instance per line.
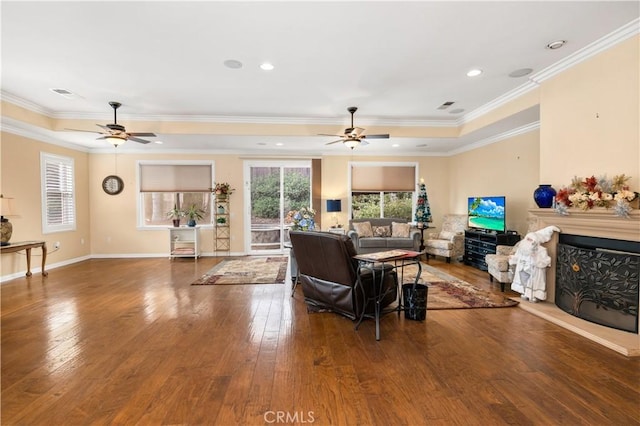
pixel 397 61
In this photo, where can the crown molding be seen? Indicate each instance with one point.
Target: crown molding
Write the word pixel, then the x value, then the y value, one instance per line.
pixel 623 33
pixel 331 121
pixel 497 138
pixel 18 128
pixel 23 103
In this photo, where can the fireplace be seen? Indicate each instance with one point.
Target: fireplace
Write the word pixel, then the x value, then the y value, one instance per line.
pixel 597 223
pixel 597 280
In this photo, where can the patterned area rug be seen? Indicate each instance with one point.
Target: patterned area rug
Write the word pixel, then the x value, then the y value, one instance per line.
pixel 448 292
pixel 248 270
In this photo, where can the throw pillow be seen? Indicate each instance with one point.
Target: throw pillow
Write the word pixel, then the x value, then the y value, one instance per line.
pixel 382 231
pixel 363 229
pixel 400 230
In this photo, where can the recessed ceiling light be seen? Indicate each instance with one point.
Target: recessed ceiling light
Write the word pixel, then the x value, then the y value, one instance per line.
pixel 395 145
pixel 266 66
pixel 556 44
pixel 520 73
pixel 233 64
pixel 456 111
pixel 159 142
pixel 279 144
pixel 474 72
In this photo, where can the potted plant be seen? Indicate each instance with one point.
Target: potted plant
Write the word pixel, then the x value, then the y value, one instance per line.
pixel 193 213
pixel 221 221
pixel 175 214
pixel 222 190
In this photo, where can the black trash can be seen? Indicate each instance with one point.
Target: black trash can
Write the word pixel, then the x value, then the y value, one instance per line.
pixel 414 299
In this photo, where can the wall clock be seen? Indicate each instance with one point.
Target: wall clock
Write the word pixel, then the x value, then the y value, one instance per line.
pixel 112 185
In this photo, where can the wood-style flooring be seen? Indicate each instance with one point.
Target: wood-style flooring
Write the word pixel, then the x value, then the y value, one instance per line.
pixel 131 342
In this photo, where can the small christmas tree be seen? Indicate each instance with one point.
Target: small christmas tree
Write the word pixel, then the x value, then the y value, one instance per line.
pixel 423 211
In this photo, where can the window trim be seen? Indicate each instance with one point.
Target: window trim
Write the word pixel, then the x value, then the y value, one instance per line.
pixel 46 159
pixel 140 220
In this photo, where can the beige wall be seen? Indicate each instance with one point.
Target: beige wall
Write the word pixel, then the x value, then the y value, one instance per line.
pixel 114 227
pixel 509 168
pixel 590 118
pixel 21 180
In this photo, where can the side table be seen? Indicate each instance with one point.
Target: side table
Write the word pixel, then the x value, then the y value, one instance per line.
pixel 27 246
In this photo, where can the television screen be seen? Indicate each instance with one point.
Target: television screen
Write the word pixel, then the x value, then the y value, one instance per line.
pixel 487 213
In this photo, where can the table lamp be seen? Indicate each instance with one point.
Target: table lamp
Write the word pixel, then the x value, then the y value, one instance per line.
pixel 334 206
pixel 6 229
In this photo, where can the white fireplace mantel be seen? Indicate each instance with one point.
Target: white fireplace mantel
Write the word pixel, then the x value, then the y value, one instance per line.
pixel 597 222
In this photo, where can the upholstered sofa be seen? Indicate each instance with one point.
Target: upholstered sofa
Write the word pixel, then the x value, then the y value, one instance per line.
pixel 449 242
pixel 379 235
pixel 328 274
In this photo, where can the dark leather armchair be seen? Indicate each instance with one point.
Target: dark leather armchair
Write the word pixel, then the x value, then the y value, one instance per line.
pixel 329 274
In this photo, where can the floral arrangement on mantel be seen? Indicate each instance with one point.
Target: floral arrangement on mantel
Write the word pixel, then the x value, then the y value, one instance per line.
pixel 597 192
pixel 302 220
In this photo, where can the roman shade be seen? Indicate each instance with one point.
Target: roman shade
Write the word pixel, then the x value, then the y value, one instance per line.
pixel 175 177
pixel 383 178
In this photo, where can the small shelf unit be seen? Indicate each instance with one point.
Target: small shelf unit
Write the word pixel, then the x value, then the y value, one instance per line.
pixel 184 241
pixel 222 227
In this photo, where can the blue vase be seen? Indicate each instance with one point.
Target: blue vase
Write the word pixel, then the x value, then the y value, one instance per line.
pixel 191 223
pixel 544 196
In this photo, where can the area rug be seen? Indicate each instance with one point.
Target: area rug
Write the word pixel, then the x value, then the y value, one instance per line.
pixel 448 292
pixel 248 270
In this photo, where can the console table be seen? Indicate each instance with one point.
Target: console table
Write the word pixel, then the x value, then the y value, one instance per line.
pixel 27 246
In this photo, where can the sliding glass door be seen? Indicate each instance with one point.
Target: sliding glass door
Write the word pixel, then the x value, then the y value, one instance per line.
pixel 275 188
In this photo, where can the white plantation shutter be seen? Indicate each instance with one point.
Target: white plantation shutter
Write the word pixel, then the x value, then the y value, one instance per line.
pixel 58 193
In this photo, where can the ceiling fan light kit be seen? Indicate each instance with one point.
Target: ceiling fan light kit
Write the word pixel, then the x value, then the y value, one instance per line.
pixel 115 133
pixel 354 136
pixel 115 140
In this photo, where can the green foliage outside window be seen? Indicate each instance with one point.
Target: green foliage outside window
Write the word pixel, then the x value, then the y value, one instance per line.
pixel 265 193
pixel 396 204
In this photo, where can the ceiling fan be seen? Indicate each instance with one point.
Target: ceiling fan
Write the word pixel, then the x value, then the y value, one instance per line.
pixel 116 133
pixel 353 136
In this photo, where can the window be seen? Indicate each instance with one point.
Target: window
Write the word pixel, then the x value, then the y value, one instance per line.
pixel 382 204
pixel 163 185
pixel 58 193
pixel 382 190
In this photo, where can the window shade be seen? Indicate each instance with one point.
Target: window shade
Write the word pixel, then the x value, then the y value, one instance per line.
pixel 175 178
pixel 383 178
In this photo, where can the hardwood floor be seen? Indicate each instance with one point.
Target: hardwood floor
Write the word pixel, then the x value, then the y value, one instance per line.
pixel 130 341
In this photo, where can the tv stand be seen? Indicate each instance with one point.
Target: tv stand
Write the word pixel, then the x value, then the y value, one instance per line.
pixel 478 243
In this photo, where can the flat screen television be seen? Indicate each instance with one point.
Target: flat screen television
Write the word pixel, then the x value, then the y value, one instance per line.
pixel 487 213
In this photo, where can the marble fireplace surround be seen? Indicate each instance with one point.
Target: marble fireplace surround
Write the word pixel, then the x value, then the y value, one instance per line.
pixel 598 222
